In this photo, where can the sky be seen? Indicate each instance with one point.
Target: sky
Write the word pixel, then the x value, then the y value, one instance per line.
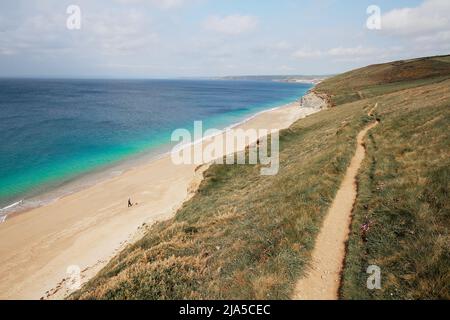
pixel 197 38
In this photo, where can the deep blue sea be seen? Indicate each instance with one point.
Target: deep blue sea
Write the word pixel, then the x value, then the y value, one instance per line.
pixel 53 131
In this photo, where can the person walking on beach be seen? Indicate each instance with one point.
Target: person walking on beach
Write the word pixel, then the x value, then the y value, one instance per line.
pixel 129 203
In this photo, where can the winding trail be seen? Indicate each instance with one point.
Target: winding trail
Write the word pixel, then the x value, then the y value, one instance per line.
pixel 323 280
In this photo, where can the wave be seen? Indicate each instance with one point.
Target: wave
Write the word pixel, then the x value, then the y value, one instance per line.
pixel 11 205
pixel 5 210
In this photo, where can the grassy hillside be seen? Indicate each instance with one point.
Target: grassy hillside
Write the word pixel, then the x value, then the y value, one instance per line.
pixel 404 199
pixel 246 236
pixel 381 79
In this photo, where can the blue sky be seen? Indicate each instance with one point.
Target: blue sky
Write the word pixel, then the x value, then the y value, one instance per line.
pixel 170 38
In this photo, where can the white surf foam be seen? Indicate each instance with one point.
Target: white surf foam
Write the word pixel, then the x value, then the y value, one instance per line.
pixel 5 210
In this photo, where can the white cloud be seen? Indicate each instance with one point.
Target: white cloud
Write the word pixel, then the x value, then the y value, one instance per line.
pixel 307 53
pixel 120 32
pixel 165 4
pixel 232 24
pixel 146 37
pixel 358 51
pixel 351 52
pixel 282 45
pixel 36 34
pixel 107 32
pixel 432 17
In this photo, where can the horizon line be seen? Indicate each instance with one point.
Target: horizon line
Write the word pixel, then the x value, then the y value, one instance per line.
pixel 227 77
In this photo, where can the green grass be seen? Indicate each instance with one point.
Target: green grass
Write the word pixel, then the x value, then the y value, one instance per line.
pixel 247 236
pixel 382 79
pixel 403 196
pixel 403 185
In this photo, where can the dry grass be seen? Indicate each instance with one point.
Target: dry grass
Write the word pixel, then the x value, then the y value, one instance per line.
pixel 403 196
pixel 385 78
pixel 243 235
pixel 246 236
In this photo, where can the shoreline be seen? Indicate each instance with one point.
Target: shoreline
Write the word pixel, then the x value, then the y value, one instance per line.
pixel 89 227
pixel 105 172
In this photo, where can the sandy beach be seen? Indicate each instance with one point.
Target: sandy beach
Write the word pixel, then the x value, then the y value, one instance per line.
pixel 87 228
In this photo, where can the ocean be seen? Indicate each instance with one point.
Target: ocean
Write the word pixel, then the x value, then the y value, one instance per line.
pixel 53 132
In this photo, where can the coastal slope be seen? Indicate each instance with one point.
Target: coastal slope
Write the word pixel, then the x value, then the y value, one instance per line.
pixel 246 236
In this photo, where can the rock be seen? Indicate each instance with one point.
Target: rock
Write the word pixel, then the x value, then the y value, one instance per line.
pixel 314 101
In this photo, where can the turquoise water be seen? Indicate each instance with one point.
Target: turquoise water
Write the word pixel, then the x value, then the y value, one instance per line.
pixel 53 131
